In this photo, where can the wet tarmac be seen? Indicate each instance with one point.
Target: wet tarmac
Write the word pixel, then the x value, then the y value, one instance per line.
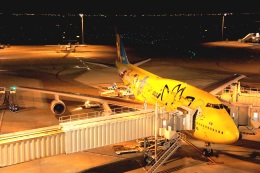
pixel 47 67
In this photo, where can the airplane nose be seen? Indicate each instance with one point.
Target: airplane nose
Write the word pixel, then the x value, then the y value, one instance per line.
pixel 232 135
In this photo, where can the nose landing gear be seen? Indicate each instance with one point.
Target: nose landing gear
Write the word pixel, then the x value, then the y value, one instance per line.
pixel 207 151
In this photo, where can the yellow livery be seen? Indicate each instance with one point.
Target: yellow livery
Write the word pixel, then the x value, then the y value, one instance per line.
pixel 211 121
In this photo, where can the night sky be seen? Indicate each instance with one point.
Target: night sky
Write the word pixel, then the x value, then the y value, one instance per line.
pixel 101 18
pixel 127 6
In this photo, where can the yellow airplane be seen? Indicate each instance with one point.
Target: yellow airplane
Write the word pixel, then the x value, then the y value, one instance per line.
pixel 211 121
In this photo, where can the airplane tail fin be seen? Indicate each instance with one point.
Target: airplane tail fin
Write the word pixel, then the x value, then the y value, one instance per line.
pixel 121 54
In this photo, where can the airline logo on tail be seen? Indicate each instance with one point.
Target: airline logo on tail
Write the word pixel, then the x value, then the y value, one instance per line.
pixel 121 51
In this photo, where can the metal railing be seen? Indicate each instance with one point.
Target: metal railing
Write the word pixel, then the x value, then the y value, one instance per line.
pixel 75 117
pixel 243 90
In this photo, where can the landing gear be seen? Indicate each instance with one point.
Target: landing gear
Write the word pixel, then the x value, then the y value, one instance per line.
pixel 207 151
pixel 149 160
pixel 240 135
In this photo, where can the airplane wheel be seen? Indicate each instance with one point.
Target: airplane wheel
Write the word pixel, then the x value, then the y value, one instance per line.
pixel 211 152
pixel 153 162
pixel 207 153
pixel 240 136
pixel 145 160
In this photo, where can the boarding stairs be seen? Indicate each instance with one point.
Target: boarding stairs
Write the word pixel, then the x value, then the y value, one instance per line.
pixel 165 155
pixel 183 137
pixel 247 37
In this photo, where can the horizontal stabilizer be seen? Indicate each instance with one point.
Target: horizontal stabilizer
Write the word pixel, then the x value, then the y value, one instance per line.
pixel 112 65
pixel 142 62
pixel 100 64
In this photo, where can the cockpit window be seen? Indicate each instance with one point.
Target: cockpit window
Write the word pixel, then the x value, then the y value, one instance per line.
pixel 215 106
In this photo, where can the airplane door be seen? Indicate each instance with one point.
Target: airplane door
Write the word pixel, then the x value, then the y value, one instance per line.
pixel 254 117
pixel 194 119
pixel 179 122
pixel 243 116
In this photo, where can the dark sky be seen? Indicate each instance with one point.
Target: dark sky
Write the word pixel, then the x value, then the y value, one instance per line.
pixel 128 6
pixel 43 29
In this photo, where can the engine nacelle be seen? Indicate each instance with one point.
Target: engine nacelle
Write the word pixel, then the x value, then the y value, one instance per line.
pixel 58 107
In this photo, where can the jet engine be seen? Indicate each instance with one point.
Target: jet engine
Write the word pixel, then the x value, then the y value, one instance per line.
pixel 58 107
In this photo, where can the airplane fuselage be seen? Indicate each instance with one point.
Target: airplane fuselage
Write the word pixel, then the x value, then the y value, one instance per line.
pixel 212 124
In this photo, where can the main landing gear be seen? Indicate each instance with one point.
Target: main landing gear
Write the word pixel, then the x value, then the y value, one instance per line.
pixel 207 151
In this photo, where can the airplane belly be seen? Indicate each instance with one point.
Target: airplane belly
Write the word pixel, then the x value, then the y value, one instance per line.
pixel 201 135
pixel 214 136
pixel 206 136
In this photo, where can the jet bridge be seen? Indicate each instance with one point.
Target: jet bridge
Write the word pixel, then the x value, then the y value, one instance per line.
pixel 81 132
pixel 243 104
pixel 183 118
pixel 76 133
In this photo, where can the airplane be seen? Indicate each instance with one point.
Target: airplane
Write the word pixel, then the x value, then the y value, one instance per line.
pixel 250 38
pixel 70 47
pixel 211 120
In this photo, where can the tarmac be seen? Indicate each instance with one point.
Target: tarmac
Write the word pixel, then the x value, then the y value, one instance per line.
pixel 46 67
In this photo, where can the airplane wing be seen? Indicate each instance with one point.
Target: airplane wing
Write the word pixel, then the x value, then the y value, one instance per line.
pixel 78 95
pixel 220 85
pixel 58 107
pixel 59 93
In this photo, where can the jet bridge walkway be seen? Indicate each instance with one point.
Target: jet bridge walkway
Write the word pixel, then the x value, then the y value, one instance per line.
pixel 76 134
pixel 80 132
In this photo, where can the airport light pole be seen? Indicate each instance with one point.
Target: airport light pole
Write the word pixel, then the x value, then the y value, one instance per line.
pixel 223 19
pixel 82 27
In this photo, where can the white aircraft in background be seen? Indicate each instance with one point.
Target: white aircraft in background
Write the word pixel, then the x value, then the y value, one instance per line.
pixel 211 121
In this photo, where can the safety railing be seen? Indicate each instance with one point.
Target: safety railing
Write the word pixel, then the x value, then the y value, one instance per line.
pixel 75 117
